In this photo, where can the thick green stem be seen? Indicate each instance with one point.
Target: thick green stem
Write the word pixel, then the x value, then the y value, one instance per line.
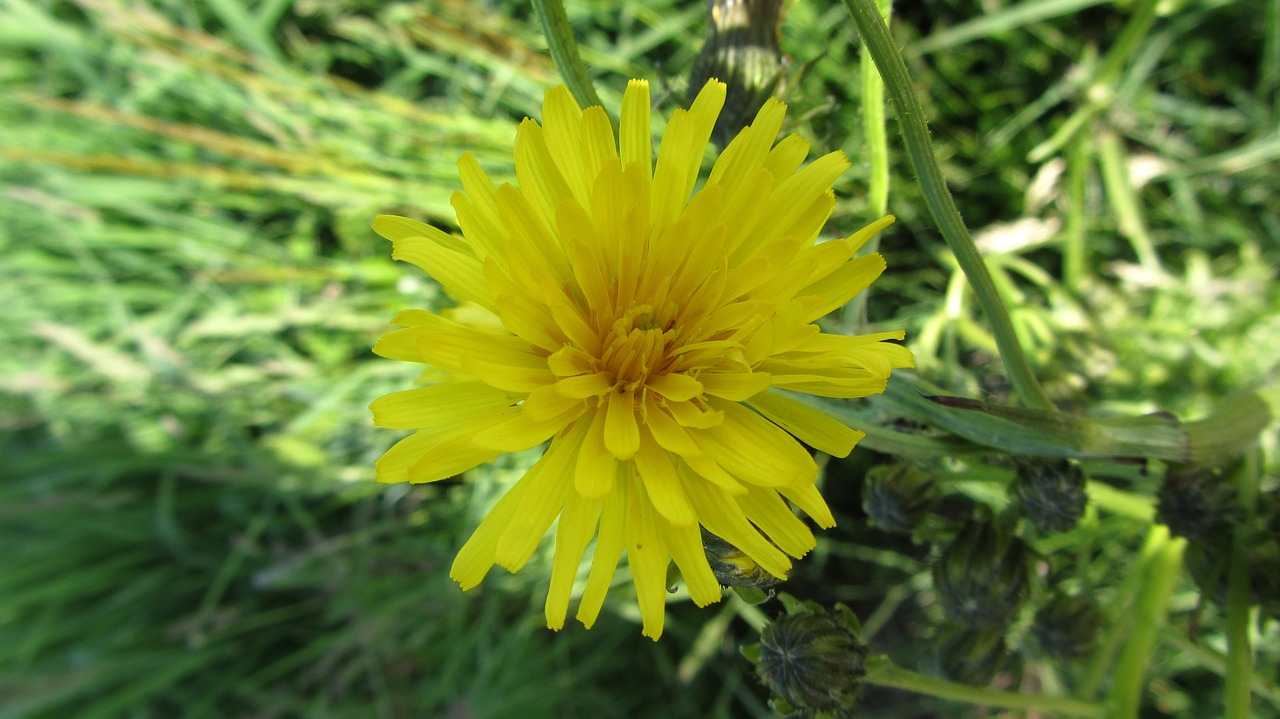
pixel 564 51
pixel 882 672
pixel 915 135
pixel 1239 652
pixel 1160 569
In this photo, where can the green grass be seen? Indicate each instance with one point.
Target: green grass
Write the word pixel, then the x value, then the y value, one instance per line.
pixel 190 290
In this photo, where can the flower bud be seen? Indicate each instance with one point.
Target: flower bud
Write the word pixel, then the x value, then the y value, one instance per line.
pixel 1209 564
pixel 742 50
pixel 1050 493
pixel 982 577
pixel 1066 627
pixel 898 497
pixel 732 567
pixel 811 659
pixel 1200 505
pixel 967 656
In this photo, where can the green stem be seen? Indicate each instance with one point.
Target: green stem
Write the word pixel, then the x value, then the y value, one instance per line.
pixel 915 135
pixel 877 154
pixel 1239 651
pixel 874 121
pixel 882 672
pixel 564 51
pixel 1161 567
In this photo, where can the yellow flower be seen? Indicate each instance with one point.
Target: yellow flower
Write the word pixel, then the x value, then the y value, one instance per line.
pixel 639 326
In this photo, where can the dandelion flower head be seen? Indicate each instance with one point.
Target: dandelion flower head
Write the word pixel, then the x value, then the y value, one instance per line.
pixel 643 330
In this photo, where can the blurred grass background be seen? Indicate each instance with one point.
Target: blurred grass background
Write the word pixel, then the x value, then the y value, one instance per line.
pixel 190 289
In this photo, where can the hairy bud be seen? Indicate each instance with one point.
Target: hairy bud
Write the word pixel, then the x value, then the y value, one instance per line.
pixel 1051 494
pixel 1066 627
pixel 967 656
pixel 982 577
pixel 811 659
pixel 898 497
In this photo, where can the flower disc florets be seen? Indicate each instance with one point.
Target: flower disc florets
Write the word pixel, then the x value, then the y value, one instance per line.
pixel 644 329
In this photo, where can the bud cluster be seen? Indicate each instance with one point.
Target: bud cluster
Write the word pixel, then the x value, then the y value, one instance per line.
pixel 1203 506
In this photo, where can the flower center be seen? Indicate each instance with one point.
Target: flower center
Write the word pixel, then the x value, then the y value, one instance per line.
pixel 636 345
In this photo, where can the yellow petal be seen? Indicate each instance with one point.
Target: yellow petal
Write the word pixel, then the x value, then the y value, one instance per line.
pixel 550 483
pixel 690 415
pixel 685 544
pixel 621 433
pixel 394 464
pixel 562 124
pixel 440 406
pixel 808 498
pixel 748 150
pixel 610 543
pixel 811 426
pixel 755 450
pixel 577 527
pixel 720 514
pixel 703 466
pixel 680 153
pixel 477 211
pixel 571 322
pixel 546 402
pixel 848 387
pixel 767 511
pixel 842 285
pixel 596 467
pixel 675 387
pixel 635 143
pixel 585 385
pixel 662 484
pixel 791 198
pixel 648 558
pixel 668 433
pixel 786 156
pixel 536 170
pixel 401 344
pixel 454 455
pixel 511 371
pixel 598 145
pixel 736 386
pixel 476 557
pixel 518 431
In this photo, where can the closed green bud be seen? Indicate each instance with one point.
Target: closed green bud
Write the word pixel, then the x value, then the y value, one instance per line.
pixel 742 50
pixel 967 656
pixel 811 659
pixel 1209 564
pixel 1066 627
pixel 732 567
pixel 1200 505
pixel 898 497
pixel 982 577
pixel 1050 494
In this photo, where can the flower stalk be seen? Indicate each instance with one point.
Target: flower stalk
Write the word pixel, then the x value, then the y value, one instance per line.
pixel 883 672
pixel 564 51
pixel 915 135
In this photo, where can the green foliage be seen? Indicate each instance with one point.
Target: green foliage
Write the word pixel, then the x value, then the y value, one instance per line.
pixel 190 289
